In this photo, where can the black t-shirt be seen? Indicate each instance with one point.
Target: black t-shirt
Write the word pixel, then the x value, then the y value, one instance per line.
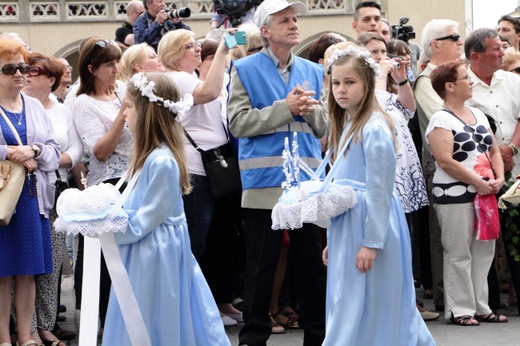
pixel 122 32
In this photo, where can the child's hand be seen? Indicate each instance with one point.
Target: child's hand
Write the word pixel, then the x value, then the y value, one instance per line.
pixel 325 256
pixel 365 258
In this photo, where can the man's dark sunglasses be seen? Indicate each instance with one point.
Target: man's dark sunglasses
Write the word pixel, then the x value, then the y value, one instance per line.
pixel 10 69
pixel 453 37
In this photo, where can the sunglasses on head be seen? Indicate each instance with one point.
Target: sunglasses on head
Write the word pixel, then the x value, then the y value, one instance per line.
pixel 453 37
pixel 10 69
pixel 105 43
pixel 515 70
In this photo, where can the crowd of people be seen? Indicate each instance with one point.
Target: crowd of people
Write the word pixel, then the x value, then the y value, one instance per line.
pixel 418 132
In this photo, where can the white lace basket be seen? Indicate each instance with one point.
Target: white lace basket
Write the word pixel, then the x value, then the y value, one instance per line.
pixel 314 201
pixel 90 212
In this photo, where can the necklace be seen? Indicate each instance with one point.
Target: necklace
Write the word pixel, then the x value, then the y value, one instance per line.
pixel 17 118
pixel 20 118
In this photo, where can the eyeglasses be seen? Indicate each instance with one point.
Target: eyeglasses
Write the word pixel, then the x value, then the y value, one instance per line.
pixel 453 37
pixel 468 77
pixel 10 69
pixel 69 68
pixel 192 45
pixel 36 71
pixel 105 43
pixel 515 70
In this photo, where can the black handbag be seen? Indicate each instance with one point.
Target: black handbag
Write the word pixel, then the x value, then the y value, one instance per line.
pixel 221 166
pixel 59 186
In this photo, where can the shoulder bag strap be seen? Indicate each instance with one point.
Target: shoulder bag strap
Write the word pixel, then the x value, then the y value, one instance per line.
pixel 10 124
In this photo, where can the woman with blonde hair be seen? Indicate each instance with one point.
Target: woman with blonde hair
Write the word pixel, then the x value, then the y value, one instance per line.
pixel 180 54
pixel 139 58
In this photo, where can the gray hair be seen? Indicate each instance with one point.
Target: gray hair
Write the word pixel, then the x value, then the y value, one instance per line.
pixel 475 42
pixel 434 29
pixel 267 23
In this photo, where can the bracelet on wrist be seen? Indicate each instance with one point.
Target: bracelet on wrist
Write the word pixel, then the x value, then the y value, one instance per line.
pixel 514 149
pixel 403 82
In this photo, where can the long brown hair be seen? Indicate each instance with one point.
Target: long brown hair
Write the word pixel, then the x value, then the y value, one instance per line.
pixel 367 106
pixel 156 125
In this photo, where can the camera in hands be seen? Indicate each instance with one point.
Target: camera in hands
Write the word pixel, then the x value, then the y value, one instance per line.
pixel 184 12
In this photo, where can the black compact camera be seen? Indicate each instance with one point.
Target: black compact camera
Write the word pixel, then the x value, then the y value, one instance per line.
pixel 184 12
pixel 402 31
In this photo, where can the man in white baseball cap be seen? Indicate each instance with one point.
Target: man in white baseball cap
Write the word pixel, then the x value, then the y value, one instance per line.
pixel 273 94
pixel 273 6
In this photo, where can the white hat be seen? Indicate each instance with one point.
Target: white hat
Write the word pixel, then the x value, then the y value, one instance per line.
pixel 268 7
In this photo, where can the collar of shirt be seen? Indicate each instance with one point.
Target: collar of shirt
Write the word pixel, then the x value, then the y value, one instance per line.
pixel 497 76
pixel 284 72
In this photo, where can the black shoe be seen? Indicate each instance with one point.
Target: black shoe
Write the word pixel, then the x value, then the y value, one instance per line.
pixel 439 307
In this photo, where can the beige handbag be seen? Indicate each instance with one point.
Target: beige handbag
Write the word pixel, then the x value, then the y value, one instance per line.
pixel 12 177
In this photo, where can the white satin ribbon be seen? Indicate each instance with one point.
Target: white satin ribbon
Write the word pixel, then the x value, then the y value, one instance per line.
pixel 120 283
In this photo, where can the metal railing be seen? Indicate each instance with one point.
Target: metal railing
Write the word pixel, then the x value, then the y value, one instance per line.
pixel 26 11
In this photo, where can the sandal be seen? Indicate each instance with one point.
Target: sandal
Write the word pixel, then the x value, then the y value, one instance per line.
pixel 275 327
pixel 464 320
pixel 28 343
pixel 491 318
pixel 287 318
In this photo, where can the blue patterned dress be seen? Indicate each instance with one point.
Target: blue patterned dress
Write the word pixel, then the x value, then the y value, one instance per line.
pixel 25 244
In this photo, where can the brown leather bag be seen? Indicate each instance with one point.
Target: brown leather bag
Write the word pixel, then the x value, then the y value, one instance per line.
pixel 12 177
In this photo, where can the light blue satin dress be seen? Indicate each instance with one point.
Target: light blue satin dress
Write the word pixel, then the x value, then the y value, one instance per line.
pixel 377 307
pixel 175 300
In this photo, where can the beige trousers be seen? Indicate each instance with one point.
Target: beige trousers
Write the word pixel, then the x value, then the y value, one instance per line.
pixel 466 261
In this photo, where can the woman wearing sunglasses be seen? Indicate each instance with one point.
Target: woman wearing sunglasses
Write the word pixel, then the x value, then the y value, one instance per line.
pixel 100 121
pixel 25 244
pixel 45 77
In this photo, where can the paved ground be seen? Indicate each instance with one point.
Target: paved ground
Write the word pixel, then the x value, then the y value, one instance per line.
pixel 444 333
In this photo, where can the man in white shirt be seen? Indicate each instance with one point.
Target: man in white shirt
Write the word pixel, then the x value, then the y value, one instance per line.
pixel 495 92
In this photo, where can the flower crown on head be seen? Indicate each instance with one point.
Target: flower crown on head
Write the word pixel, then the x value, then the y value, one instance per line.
pixel 147 88
pixel 357 51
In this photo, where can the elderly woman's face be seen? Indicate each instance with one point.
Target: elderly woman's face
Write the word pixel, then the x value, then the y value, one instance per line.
pixel 463 85
pixel 38 81
pixel 107 72
pixel 191 58
pixel 12 82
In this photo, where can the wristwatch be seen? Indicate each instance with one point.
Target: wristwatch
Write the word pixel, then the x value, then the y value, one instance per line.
pixel 36 148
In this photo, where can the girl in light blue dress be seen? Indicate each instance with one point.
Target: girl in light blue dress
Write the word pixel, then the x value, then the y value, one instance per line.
pixel 175 301
pixel 370 291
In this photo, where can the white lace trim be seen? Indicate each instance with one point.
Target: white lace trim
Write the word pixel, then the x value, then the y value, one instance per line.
pixel 91 228
pixel 311 206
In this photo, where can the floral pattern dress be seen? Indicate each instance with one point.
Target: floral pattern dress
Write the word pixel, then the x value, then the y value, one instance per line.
pixel 409 178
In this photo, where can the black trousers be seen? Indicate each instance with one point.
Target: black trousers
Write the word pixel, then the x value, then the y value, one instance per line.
pixel 262 254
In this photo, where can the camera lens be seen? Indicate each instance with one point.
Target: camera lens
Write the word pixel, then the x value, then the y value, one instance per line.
pixel 184 12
